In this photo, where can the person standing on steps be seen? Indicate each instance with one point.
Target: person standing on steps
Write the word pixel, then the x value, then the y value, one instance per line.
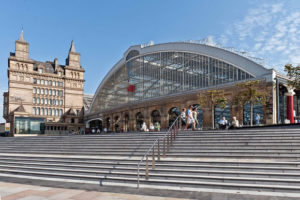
pixel 257 119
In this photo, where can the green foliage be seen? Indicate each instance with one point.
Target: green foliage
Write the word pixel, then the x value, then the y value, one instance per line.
pixel 248 92
pixel 212 98
pixel 294 75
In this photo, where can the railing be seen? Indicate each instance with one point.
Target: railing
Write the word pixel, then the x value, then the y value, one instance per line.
pixel 168 138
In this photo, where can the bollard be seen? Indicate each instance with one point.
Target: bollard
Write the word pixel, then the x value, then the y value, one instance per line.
pixel 153 159
pixel 164 148
pixel 168 143
pixel 147 170
pixel 158 150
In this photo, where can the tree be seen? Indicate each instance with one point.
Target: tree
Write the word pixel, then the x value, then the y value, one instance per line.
pixel 249 93
pixel 211 99
pixel 294 75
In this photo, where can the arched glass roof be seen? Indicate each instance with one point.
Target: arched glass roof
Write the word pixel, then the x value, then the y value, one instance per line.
pixel 162 73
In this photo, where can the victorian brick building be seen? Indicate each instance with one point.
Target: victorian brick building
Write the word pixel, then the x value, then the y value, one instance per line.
pixel 43 96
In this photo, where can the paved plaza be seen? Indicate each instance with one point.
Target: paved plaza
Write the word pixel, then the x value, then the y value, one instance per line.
pixel 14 191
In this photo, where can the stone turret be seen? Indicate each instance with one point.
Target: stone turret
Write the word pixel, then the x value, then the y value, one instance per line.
pixel 22 48
pixel 73 59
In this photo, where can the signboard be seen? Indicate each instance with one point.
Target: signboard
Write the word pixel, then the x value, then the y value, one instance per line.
pixel 7 127
pixel 131 88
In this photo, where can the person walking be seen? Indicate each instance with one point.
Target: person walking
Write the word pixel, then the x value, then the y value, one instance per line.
pixel 189 118
pixel 183 117
pixel 195 116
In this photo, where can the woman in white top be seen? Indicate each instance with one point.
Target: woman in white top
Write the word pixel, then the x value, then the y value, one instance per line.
pixel 190 118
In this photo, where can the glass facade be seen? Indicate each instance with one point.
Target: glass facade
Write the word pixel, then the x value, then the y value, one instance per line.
pixel 257 109
pixel 29 125
pixel 163 73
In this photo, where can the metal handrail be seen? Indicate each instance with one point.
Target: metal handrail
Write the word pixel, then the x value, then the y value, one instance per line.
pixel 151 148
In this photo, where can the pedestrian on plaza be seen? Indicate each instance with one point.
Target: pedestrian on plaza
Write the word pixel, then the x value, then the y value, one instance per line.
pixel 144 127
pixel 183 117
pixel 223 123
pixel 195 116
pixel 151 127
pixel 157 126
pixel 189 118
pixel 234 123
pixel 257 119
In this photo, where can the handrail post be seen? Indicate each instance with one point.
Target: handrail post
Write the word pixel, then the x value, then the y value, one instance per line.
pixel 158 150
pixel 147 169
pixel 173 129
pixel 153 158
pixel 174 132
pixel 138 176
pixel 168 142
pixel 164 147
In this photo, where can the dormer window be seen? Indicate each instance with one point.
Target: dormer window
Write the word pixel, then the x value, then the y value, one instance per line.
pixel 59 73
pixel 40 71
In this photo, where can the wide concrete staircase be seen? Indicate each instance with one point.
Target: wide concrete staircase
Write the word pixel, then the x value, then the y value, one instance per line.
pixel 242 161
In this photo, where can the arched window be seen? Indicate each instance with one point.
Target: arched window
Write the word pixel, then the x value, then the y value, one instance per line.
pixel 46 91
pixel 46 101
pixel 155 116
pixel 173 114
pixel 34 110
pixel 139 120
pixel 34 90
pixel 33 100
pixel 222 112
pixel 57 112
pixel 46 111
pixel 38 100
pixel 50 112
pixel 60 112
pixel 38 111
pixel 42 111
pixel 258 109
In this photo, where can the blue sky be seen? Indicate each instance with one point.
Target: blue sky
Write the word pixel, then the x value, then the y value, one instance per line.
pixel 104 30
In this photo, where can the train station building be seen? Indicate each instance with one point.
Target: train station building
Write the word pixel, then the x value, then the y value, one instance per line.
pixel 152 83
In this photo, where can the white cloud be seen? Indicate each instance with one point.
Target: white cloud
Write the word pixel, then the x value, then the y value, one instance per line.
pixel 270 31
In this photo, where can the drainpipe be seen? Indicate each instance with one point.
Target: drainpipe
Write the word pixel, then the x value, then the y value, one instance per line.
pixel 277 100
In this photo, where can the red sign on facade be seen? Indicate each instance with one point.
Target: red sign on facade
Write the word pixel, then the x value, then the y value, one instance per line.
pixel 131 88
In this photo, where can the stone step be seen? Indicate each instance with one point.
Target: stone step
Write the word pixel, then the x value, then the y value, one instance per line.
pixel 178 168
pixel 284 180
pixel 182 161
pixel 109 180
